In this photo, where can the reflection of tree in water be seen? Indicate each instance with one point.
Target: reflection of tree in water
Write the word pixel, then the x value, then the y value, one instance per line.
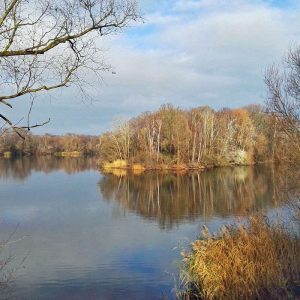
pixel 21 168
pixel 172 198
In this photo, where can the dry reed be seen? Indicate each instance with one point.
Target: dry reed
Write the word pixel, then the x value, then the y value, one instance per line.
pixel 116 164
pixel 257 261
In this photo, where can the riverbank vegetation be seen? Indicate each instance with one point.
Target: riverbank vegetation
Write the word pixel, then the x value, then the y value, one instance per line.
pixel 171 138
pixel 259 260
pixel 73 145
pixel 200 137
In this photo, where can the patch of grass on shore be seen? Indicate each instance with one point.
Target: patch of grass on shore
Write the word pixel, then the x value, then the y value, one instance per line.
pixel 68 154
pixel 258 261
pixel 140 167
pixel 7 154
pixel 117 164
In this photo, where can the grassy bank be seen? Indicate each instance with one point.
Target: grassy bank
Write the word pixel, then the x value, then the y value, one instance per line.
pixel 69 154
pixel 7 154
pixel 124 165
pixel 257 261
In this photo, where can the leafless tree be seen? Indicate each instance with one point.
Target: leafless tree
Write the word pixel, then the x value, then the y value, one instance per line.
pixel 45 43
pixel 283 83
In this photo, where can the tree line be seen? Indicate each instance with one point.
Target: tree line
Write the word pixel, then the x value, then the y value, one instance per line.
pixel 175 136
pixel 47 144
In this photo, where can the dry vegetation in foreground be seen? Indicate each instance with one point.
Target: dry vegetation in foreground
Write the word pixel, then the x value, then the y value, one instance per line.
pixel 260 261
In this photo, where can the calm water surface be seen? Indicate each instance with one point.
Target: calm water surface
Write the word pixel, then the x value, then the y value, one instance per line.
pixel 87 235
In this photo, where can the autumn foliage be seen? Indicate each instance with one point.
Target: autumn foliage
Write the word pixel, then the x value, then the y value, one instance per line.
pixel 171 138
pixel 200 136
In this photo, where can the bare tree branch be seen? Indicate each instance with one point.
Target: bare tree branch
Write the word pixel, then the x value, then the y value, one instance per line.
pixel 45 44
pixel 283 85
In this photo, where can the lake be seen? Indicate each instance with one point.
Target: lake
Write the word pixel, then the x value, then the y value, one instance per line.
pixel 79 234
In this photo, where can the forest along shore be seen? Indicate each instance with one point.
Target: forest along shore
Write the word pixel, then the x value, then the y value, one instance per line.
pixel 170 138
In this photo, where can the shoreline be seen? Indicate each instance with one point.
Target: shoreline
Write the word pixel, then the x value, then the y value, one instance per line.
pixel 139 167
pixel 135 167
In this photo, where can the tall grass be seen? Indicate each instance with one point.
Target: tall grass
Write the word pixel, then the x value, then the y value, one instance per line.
pixel 68 154
pixel 259 260
pixel 117 164
pixel 7 154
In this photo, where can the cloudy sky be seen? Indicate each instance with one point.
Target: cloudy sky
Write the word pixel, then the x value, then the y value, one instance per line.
pixel 186 52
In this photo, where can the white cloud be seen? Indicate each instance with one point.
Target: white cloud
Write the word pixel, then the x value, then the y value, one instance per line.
pixel 210 59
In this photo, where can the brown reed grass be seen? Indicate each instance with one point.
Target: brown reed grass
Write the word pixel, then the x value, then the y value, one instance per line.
pixel 259 260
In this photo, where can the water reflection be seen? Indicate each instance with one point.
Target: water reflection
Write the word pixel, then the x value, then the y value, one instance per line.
pixel 22 168
pixel 171 199
pixel 82 245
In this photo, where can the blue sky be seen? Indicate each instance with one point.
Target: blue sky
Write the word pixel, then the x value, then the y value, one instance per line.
pixel 186 52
